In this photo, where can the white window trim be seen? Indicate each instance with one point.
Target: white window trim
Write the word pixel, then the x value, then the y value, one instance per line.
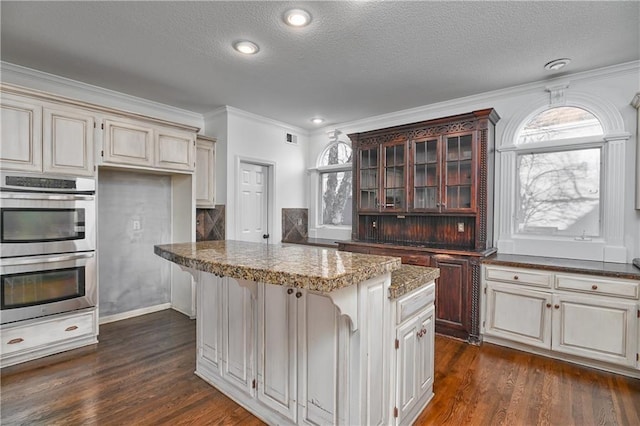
pixel 320 230
pixel 610 246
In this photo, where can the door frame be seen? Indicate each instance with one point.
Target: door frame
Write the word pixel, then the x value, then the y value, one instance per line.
pixel 271 173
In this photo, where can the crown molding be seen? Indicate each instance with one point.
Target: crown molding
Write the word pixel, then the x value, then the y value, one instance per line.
pixel 409 115
pixel 39 80
pixel 259 118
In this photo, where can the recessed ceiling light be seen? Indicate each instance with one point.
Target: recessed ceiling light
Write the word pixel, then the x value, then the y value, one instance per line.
pixel 317 120
pixel 557 64
pixel 246 47
pixel 297 17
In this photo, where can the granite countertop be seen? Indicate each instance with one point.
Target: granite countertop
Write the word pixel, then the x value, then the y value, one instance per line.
pixel 409 278
pixel 312 268
pixel 605 269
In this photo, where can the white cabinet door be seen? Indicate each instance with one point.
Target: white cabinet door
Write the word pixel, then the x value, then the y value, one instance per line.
pixel 128 143
pixel 21 124
pixel 174 150
pixel 318 354
pixel 238 336
pixel 205 173
pixel 209 320
pixel 277 362
pixel 407 359
pixel 596 328
pixel 425 368
pixel 414 361
pixel 68 141
pixel 518 314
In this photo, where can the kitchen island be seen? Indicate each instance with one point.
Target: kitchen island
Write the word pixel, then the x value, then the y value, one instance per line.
pixel 310 335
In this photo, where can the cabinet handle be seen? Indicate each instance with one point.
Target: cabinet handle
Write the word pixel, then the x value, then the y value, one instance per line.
pixel 290 291
pixel 548 305
pixel 515 277
pixel 298 295
pixel 419 334
pixel 14 341
pixel 556 306
pixel 424 331
pixel 594 287
pixel 73 327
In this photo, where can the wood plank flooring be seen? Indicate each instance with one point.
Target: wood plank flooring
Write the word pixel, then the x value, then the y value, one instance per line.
pixel 141 373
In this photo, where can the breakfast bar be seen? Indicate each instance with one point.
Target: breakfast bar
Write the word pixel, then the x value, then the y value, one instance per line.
pixel 312 335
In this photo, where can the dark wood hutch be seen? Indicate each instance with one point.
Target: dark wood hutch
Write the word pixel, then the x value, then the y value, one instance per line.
pixel 424 192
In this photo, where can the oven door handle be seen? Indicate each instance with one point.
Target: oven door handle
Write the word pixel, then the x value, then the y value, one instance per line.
pixel 47 259
pixel 51 197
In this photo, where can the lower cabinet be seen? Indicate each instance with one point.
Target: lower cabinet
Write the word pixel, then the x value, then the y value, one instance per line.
pixel 586 318
pixel 289 356
pixel 453 292
pixel 414 363
pixel 27 340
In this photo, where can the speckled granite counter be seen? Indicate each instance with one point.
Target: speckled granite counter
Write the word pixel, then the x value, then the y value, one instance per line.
pixel 605 269
pixel 312 268
pixel 409 278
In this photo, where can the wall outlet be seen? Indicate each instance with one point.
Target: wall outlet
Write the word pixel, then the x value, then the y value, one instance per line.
pixel 460 226
pixel 136 225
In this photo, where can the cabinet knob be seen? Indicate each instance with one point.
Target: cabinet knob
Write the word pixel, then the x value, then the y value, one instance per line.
pixel 73 327
pixel 14 341
pixel 556 306
pixel 298 295
pixel 419 334
pixel 424 331
pixel 548 305
pixel 290 291
pixel 515 277
pixel 594 287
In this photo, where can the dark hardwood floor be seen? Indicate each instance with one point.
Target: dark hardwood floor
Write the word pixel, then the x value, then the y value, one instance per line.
pixel 141 373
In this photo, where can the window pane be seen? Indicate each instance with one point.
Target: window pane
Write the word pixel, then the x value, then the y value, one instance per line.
pixel 560 123
pixel 336 153
pixel 560 193
pixel 336 198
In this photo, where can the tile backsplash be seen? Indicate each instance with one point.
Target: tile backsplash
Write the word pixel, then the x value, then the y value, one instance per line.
pixel 210 223
pixel 295 225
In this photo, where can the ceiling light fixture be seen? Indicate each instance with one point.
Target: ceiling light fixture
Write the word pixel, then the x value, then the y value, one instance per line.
pixel 557 64
pixel 297 17
pixel 246 47
pixel 317 120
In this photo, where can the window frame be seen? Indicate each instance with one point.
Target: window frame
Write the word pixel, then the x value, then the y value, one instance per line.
pixel 610 246
pixel 319 171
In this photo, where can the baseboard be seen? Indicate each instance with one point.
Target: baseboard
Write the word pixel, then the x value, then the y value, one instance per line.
pixel 135 313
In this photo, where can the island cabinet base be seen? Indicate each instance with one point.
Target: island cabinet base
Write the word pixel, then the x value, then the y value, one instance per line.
pixel 292 356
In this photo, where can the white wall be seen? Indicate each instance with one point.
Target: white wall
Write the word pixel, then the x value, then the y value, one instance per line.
pixel 252 137
pixel 617 85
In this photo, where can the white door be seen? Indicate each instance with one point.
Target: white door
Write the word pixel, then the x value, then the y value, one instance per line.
pixel 254 196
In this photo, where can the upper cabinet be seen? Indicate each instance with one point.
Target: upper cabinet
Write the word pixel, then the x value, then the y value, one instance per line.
pixel 422 175
pixel 128 142
pixel 205 172
pixel 46 133
pixel 21 147
pixel 42 137
pixel 67 135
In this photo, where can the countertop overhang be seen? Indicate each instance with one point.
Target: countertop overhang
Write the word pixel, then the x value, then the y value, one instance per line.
pixel 311 268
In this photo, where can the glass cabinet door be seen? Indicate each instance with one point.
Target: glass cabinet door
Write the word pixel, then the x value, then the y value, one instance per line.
pixel 458 173
pixel 368 194
pixel 426 174
pixel 394 188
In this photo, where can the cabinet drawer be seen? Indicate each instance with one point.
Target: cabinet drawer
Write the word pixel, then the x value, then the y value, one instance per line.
pixel 520 276
pixel 416 260
pixel 415 302
pixel 596 285
pixel 31 336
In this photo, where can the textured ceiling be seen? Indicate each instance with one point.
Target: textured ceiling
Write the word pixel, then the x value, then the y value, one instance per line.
pixel 356 59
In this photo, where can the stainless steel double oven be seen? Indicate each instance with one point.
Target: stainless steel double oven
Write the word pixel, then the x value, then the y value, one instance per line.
pixel 47 245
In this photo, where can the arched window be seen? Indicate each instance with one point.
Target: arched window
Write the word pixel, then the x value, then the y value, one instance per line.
pixel 558 168
pixel 334 168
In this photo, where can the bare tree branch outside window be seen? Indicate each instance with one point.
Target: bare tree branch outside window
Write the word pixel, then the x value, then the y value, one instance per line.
pixel 336 187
